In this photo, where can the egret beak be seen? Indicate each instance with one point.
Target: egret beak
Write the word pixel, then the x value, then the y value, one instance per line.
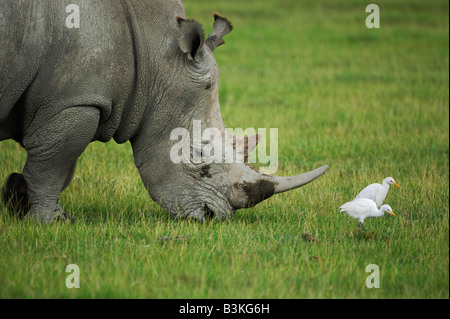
pixel 395 184
pixel 392 213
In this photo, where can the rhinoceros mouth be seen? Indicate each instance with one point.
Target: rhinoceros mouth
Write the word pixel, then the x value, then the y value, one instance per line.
pixel 208 213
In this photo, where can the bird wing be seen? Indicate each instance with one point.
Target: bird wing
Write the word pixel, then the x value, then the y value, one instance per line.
pixel 357 207
pixel 370 192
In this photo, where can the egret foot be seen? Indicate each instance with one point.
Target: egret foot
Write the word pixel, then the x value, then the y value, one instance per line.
pixel 39 214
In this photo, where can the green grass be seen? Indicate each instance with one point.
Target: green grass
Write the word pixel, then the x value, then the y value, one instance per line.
pixel 370 103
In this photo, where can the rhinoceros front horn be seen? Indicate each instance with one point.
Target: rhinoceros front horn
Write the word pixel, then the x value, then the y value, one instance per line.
pixel 284 184
pixel 256 187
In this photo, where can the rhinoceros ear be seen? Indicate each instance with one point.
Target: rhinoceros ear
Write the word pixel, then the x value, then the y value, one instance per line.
pixel 193 38
pixel 222 26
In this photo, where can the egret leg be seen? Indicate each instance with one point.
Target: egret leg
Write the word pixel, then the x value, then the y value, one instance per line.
pixel 363 227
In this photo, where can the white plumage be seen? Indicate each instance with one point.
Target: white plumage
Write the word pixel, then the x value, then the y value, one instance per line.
pixel 377 192
pixel 363 208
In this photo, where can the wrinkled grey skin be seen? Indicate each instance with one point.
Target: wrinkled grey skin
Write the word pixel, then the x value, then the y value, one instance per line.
pixel 132 71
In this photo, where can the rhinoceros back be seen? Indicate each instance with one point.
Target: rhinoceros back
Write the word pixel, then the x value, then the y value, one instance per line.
pixel 46 67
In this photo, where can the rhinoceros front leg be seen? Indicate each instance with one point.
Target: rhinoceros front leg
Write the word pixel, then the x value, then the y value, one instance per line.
pixel 53 145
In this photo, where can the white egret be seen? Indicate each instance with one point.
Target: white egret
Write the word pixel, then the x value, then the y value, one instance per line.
pixel 377 192
pixel 363 208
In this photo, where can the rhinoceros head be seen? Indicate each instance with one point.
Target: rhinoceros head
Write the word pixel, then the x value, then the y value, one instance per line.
pixel 173 165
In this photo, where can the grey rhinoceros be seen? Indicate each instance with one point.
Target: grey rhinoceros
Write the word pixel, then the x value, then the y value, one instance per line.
pixel 134 70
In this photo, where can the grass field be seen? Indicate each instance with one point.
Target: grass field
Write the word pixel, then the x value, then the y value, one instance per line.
pixel 371 103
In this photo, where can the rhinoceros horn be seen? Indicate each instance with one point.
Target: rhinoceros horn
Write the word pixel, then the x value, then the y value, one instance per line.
pixel 284 184
pixel 255 187
pixel 243 144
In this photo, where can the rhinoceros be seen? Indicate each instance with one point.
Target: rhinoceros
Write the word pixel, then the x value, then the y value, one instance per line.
pixel 134 70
